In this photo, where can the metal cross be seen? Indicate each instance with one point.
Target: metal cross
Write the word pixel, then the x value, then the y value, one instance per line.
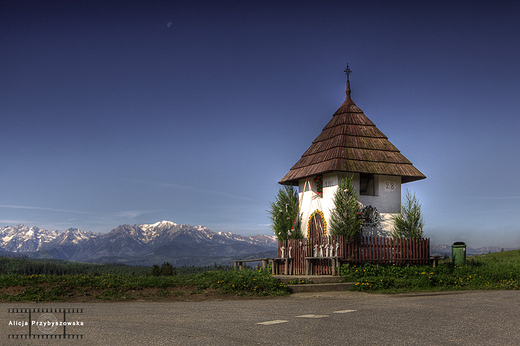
pixel 347 72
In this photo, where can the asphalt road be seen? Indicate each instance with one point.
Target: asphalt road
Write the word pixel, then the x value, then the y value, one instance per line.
pixel 336 318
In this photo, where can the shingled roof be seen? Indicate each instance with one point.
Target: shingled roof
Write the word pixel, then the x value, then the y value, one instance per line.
pixel 352 143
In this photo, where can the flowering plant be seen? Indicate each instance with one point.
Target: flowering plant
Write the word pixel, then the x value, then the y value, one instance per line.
pixel 317 213
pixel 319 185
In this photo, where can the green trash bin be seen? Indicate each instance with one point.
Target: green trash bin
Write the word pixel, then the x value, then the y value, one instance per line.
pixel 458 253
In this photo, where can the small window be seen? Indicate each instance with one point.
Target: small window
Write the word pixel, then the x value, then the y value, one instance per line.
pixel 366 184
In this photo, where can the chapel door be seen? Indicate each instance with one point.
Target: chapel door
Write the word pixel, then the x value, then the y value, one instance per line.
pixel 316 228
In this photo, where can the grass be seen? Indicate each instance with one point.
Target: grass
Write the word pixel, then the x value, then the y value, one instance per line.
pixel 483 272
pixel 42 288
pixel 492 271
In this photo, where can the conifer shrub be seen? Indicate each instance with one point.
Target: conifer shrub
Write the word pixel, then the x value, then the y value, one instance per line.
pixel 284 214
pixel 346 218
pixel 409 222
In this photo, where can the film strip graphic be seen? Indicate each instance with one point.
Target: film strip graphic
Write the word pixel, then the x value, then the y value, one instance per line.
pixel 46 333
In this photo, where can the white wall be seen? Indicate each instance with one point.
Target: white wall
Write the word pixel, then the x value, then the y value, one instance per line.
pixel 384 229
pixel 388 194
pixel 387 200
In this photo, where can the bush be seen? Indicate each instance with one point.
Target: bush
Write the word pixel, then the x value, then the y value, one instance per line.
pixel 156 270
pixel 284 213
pixel 393 278
pixel 346 218
pixel 409 222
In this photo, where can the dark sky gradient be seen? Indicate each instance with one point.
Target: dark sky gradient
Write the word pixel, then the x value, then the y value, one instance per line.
pixel 110 115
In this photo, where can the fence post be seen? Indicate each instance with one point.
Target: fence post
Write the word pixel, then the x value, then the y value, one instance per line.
pixel 380 250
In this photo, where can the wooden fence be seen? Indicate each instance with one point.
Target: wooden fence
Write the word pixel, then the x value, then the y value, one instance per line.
pixel 324 256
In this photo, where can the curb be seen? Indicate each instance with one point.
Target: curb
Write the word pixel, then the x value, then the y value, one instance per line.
pixel 320 287
pixel 315 279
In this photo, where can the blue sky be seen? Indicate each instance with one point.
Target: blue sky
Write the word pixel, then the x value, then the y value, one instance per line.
pixel 135 112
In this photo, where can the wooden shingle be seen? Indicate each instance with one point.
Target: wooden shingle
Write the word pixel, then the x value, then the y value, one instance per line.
pixel 350 142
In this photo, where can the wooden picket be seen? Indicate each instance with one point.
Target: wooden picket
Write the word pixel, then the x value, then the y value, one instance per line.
pixel 323 256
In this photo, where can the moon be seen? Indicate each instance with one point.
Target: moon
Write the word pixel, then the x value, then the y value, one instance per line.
pixel 169 25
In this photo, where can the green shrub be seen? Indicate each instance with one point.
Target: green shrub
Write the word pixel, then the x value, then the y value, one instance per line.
pixel 409 222
pixel 394 278
pixel 346 217
pixel 60 287
pixel 284 214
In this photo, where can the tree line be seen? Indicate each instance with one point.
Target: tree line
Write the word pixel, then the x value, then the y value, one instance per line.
pixel 26 266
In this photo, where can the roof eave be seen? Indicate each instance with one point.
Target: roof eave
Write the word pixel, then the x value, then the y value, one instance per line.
pixel 295 181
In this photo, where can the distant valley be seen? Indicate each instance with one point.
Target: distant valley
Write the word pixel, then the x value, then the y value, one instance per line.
pixel 147 244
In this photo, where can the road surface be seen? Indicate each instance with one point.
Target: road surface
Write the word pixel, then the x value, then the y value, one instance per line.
pixel 336 318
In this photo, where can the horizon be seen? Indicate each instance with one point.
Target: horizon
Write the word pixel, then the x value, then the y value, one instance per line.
pixel 251 235
pixel 124 113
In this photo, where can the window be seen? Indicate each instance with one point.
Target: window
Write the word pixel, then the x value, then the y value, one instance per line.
pixel 366 184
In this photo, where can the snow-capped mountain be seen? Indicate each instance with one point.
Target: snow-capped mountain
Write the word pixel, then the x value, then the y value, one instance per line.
pixel 268 240
pixel 21 238
pixel 138 244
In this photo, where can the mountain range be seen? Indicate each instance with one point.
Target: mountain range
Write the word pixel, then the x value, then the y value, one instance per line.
pixel 444 249
pixel 147 244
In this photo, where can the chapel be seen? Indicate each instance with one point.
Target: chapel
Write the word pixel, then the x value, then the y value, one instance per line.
pixel 351 144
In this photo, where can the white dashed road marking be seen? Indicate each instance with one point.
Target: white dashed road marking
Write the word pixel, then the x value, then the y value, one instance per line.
pixel 342 311
pixel 312 316
pixel 267 323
